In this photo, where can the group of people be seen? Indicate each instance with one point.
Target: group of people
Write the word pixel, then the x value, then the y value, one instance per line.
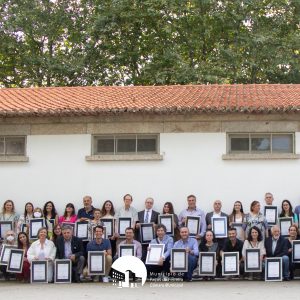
pixel 56 240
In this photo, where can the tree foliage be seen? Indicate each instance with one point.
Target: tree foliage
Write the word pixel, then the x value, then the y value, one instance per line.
pixel 148 42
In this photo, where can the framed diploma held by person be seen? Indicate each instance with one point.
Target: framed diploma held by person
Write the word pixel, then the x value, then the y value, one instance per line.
pixel 230 263
pixel 34 226
pixel 39 271
pixel 146 232
pixel 296 251
pixel 123 223
pixel 179 260
pixel 271 214
pixel 96 263
pixel 273 269
pixel 193 224
pixel 110 226
pixel 126 250
pixel 82 230
pixel 253 261
pixel 168 221
pixel 207 263
pixel 15 261
pixel 219 226
pixel 5 253
pixel 284 224
pixel 154 253
pixel 62 271
pixel 5 226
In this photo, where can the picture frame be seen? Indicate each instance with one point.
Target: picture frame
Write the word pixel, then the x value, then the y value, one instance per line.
pixel 168 221
pixel 123 223
pixel 82 230
pixel 154 253
pixel 253 262
pixel 126 250
pixel 39 271
pixel 5 254
pixel 193 224
pixel 96 263
pixel 62 271
pixel 24 228
pixel 109 223
pixel 219 226
pixel 273 269
pixel 284 225
pixel 296 251
pixel 34 226
pixel 4 227
pixel 146 232
pixel 15 261
pixel 179 260
pixel 271 214
pixel 230 263
pixel 207 263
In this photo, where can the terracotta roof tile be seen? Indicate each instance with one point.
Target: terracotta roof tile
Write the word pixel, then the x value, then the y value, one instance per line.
pixel 256 98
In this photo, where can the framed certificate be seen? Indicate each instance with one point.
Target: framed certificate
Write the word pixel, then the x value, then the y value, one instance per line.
pixel 24 227
pixel 96 263
pixel 230 263
pixel 168 221
pixel 5 226
pixel 69 224
pixel 5 253
pixel 273 269
pixel 34 226
pixel 271 214
pixel 253 261
pixel 82 230
pixel 296 251
pixel 179 261
pixel 284 224
pixel 123 223
pixel 39 271
pixel 207 263
pixel 193 224
pixel 15 261
pixel 219 226
pixel 154 253
pixel 240 233
pixel 126 250
pixel 146 232
pixel 109 224
pixel 62 271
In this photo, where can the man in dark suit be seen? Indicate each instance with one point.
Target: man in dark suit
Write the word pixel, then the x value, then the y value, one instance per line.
pixel 276 246
pixel 70 247
pixel 148 215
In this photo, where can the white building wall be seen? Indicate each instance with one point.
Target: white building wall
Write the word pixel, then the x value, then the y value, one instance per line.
pixel 192 164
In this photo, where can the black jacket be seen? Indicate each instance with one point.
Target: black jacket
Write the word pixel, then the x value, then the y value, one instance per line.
pixel 76 247
pixel 281 247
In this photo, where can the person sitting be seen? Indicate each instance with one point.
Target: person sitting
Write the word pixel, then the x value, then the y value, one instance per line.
pixel 293 235
pixel 24 244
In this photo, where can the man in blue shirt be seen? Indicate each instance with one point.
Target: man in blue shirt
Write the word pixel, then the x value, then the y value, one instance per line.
pixel 87 212
pixel 191 247
pixel 101 244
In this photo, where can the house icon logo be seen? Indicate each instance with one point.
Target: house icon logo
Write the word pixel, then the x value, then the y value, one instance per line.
pixel 128 272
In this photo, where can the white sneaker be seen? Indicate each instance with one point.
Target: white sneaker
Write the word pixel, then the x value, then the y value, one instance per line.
pixel 105 279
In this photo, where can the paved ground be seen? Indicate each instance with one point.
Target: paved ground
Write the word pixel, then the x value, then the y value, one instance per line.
pixel 233 290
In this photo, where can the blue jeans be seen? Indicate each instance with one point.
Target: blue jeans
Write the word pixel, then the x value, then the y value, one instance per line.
pixel 285 266
pixel 192 264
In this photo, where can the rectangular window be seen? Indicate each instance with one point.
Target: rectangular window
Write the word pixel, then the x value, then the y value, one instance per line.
pixel 261 143
pixel 12 146
pixel 125 144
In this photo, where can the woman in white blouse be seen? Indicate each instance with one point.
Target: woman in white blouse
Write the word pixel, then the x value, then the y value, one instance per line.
pixel 43 249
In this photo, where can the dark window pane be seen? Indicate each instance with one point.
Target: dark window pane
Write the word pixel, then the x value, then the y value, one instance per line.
pixel 282 143
pixel 2 146
pixel 15 146
pixel 126 145
pixel 260 144
pixel 239 144
pixel 146 145
pixel 105 146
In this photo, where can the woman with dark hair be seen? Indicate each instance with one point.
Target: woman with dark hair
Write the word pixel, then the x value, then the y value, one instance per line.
pixel 69 215
pixel 8 213
pixel 56 233
pixel 237 216
pixel 254 241
pixel 25 218
pixel 293 235
pixel 287 211
pixel 209 244
pixel 256 218
pixel 107 210
pixel 24 244
pixel 169 210
pixel 51 217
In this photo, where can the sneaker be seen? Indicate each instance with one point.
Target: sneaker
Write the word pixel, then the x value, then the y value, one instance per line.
pixel 96 278
pixel 105 279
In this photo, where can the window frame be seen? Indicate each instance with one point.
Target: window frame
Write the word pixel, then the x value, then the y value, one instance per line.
pixel 5 155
